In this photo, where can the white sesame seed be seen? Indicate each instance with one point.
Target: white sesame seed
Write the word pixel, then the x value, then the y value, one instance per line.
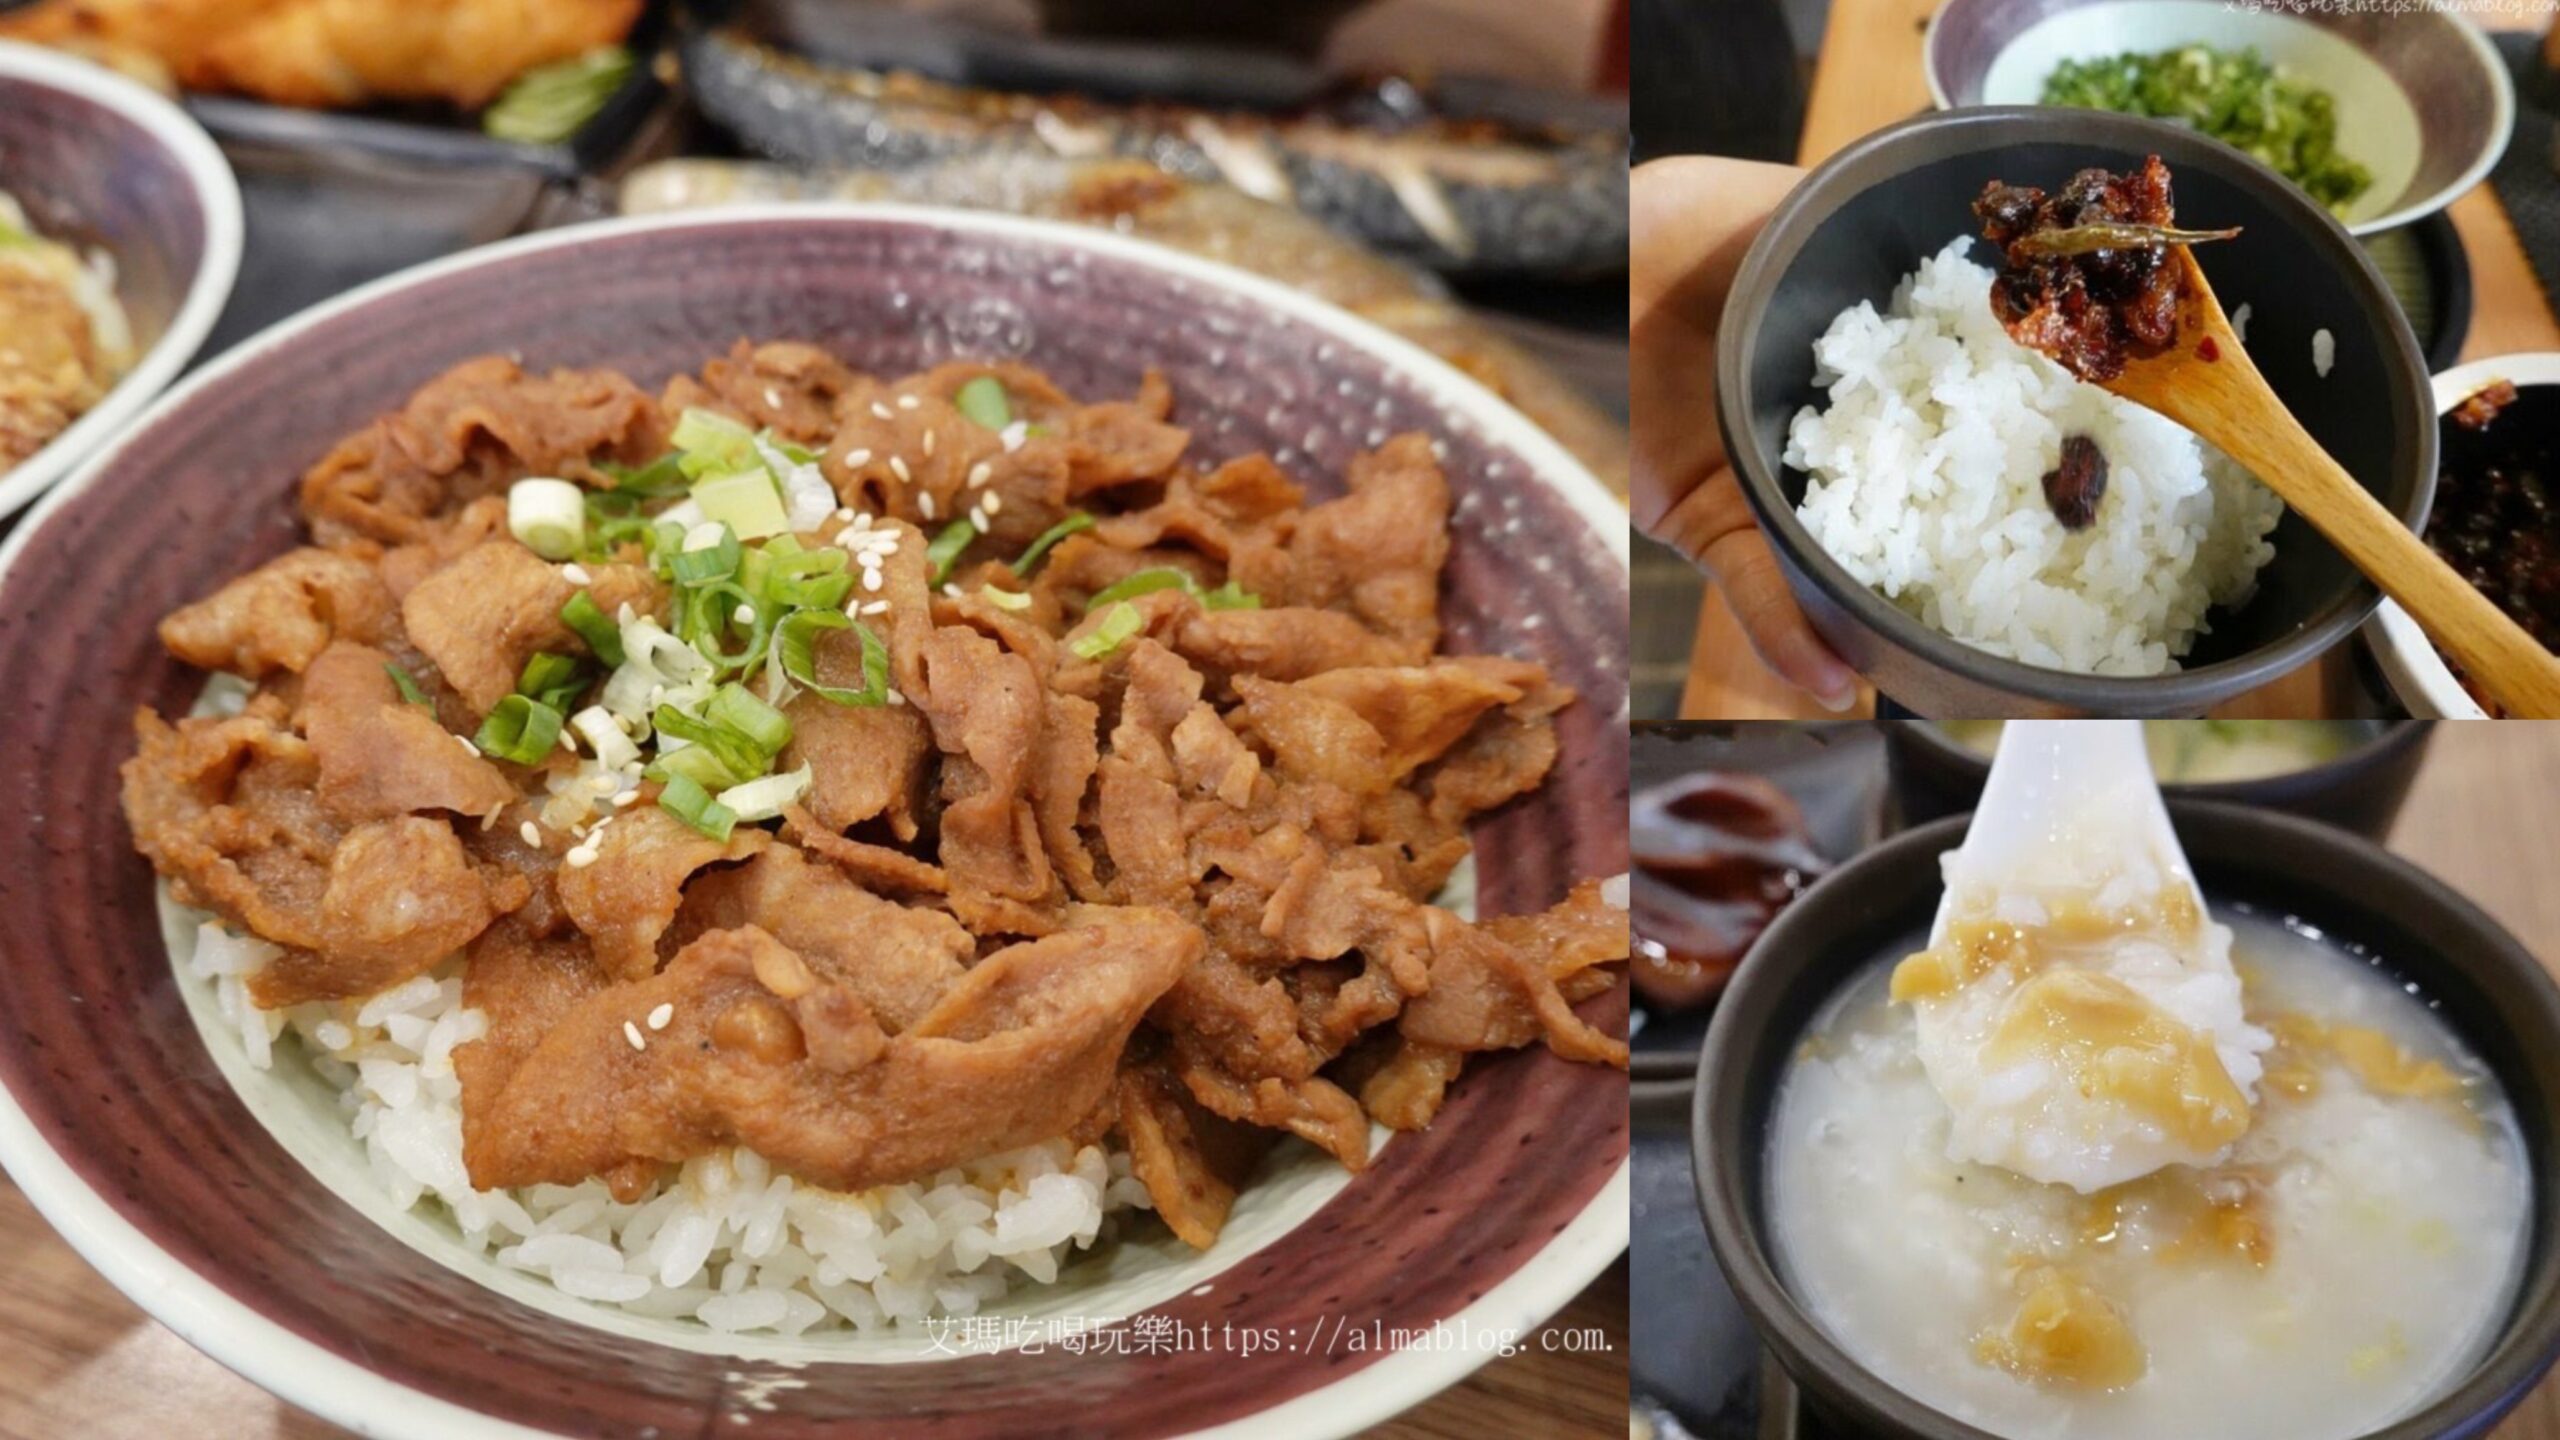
pixel 773 397
pixel 631 1033
pixel 978 517
pixel 907 402
pixel 875 607
pixel 601 784
pixel 994 502
pixel 659 1017
pixel 861 520
pixel 844 515
pixel 847 538
pixel 576 574
pixel 567 743
pixel 532 834
pixel 886 544
pixel 868 559
pixel 951 590
pixel 627 797
pixel 745 614
pixel 897 699
pixel 928 444
pixel 980 474
pixel 898 467
pixel 924 503
pixel 1014 434
pixel 870 579
pixel 580 857
pixel 466 744
pixel 882 411
pixel 858 458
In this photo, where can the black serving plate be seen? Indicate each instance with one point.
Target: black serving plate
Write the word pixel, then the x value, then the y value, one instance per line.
pixel 1834 771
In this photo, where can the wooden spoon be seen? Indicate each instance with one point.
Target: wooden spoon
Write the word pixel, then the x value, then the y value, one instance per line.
pixel 2226 400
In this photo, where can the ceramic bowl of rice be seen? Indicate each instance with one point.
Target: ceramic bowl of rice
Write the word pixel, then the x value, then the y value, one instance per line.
pixel 138 193
pixel 286 1188
pixel 1892 439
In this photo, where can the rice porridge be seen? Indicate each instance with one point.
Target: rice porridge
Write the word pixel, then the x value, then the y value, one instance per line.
pixel 2347 1258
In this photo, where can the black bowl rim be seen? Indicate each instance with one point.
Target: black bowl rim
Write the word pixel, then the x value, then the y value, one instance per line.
pixel 2392 737
pixel 1758 280
pixel 2519 1357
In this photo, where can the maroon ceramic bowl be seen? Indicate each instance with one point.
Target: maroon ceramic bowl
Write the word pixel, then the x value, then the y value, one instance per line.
pixel 123 1131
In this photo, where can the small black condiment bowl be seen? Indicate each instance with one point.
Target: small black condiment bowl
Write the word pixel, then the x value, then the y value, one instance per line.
pixel 1872 212
pixel 2484 983
pixel 2359 789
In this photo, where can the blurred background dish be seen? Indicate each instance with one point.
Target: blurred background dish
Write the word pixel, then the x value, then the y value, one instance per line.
pixel 137 221
pixel 2349 773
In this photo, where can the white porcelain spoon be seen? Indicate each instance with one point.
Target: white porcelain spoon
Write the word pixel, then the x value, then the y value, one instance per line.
pixel 2057 785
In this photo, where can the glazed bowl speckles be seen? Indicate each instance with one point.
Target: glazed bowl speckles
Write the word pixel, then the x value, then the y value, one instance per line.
pixel 121 1121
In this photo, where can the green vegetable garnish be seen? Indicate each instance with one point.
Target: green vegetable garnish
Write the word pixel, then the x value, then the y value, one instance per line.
pixel 552 679
pixel 983 399
pixel 944 552
pixel 603 637
pixel 2107 235
pixel 1078 521
pixel 519 728
pixel 2236 97
pixel 686 799
pixel 797 639
pixel 1229 596
pixel 410 690
pixel 1122 622
pixel 550 103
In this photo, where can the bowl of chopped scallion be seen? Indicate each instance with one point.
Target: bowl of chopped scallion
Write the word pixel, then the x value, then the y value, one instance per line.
pixel 2382 118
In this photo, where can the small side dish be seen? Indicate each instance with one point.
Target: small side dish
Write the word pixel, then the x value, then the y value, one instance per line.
pixel 2493 518
pixel 2235 96
pixel 64 339
pixel 804 848
pixel 1717 855
pixel 2211 752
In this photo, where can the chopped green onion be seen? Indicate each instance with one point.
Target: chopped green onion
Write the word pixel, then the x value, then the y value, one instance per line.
pixel 657 480
pixel 605 736
pixel 816 592
pixel 684 798
pixel 592 625
pixel 546 671
pixel 549 516
pixel 983 399
pixel 1078 521
pixel 944 552
pixel 410 690
pixel 1229 596
pixel 1144 582
pixel 797 640
pixel 551 103
pixel 712 443
pixel 738 757
pixel 763 799
pixel 519 728
pixel 697 763
pixel 1122 622
pixel 737 707
pixel 1005 599
pixel 745 501
pixel 699 565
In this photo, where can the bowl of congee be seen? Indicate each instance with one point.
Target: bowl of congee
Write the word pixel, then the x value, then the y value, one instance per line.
pixel 2146 1121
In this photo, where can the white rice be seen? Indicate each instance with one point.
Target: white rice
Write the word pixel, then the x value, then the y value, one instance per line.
pixel 2324 352
pixel 1927 469
pixel 730 1242
pixel 90 281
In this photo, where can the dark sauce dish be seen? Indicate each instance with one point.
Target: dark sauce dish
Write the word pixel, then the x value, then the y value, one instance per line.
pixel 2359 788
pixel 1872 212
pixel 2481 980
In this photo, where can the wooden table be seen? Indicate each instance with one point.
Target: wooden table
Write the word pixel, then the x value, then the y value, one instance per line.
pixel 79 1362
pixel 1869 76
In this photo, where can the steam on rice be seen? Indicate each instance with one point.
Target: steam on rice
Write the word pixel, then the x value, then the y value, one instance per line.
pixel 1927 468
pixel 729 1242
